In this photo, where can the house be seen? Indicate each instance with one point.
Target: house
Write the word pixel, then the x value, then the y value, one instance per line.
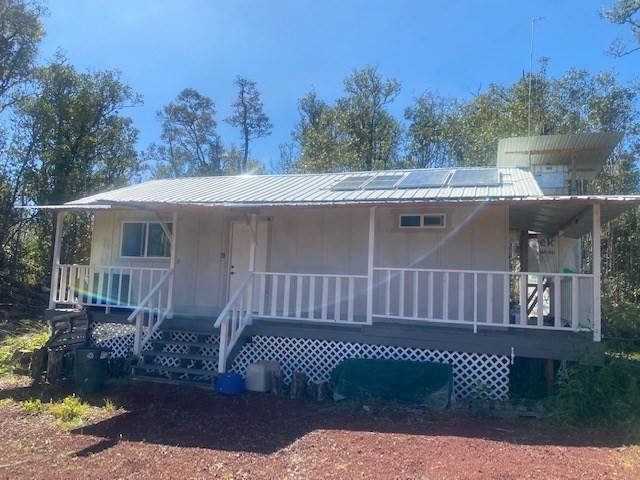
pixel 470 266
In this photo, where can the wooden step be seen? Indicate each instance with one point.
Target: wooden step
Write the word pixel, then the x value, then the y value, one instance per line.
pixel 186 356
pixel 162 341
pixel 207 384
pixel 176 370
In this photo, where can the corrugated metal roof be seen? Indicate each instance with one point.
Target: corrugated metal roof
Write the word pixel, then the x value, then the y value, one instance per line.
pixel 588 150
pixel 314 189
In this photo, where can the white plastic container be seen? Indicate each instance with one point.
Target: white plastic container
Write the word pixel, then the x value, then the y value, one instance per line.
pixel 258 376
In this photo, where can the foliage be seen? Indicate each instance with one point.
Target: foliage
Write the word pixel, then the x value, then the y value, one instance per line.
pixel 621 326
pixel 624 12
pixel 30 340
pixel 248 116
pixel 597 396
pixel 20 33
pixel 70 411
pixel 32 407
pixel 357 133
pixel 190 144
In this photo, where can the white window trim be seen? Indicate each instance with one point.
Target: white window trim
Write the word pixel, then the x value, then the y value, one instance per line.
pixel 146 240
pixel 422 226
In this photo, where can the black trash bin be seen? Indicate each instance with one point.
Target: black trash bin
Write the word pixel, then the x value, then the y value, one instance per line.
pixel 90 369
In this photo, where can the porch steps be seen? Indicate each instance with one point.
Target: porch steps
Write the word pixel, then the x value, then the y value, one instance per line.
pixel 180 357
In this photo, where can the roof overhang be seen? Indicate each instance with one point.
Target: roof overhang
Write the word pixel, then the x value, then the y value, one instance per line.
pixel 571 215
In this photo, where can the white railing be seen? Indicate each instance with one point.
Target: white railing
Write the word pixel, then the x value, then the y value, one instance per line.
pixel 310 297
pixel 557 301
pixel 152 310
pixel 290 296
pixel 108 286
pixel 233 318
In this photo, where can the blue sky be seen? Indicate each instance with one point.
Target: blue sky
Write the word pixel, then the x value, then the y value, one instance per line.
pixel 292 46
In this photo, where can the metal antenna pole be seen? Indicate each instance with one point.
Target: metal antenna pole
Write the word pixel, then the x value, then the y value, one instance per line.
pixel 533 32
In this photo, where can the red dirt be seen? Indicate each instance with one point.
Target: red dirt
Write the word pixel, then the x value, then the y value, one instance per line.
pixel 168 432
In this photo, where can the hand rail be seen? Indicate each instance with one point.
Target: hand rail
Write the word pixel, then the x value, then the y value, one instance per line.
pixel 146 299
pixel 232 301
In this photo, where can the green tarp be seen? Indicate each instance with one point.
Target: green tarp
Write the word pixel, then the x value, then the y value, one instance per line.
pixel 422 383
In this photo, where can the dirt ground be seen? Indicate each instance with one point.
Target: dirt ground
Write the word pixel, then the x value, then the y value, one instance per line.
pixel 166 432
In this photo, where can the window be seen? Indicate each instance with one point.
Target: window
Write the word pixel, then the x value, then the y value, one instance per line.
pixel 421 220
pixel 145 239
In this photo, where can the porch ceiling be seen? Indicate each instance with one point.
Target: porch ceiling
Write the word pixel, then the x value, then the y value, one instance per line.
pixel 574 218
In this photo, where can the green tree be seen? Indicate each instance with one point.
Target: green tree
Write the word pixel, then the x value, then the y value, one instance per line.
pixel 20 34
pixel 624 12
pixel 248 116
pixel 190 144
pixel 76 142
pixel 369 132
pixel 430 139
pixel 317 135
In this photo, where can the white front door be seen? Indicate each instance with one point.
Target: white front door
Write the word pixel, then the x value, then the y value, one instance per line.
pixel 239 259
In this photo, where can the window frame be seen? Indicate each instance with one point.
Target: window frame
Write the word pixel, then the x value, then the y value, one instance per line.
pixel 422 225
pixel 146 224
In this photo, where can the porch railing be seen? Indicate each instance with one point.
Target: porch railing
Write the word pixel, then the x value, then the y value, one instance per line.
pixel 562 301
pixel 152 310
pixel 290 296
pixel 108 286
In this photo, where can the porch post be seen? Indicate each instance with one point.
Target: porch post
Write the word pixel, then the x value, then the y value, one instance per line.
pixel 252 261
pixel 370 256
pixel 172 262
pixel 597 333
pixel 55 267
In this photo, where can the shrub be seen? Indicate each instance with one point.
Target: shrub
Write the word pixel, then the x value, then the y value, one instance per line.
pixel 69 411
pixel 32 407
pixel 597 396
pixel 31 340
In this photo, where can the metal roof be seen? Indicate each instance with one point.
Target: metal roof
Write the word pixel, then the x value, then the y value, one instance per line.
pixel 589 151
pixel 313 189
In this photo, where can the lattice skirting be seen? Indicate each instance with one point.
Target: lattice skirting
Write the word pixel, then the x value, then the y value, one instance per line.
pixel 117 337
pixel 319 357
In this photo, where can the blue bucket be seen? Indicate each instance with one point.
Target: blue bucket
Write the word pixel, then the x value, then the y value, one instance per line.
pixel 230 383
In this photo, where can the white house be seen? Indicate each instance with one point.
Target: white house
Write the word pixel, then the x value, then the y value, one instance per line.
pixel 201 275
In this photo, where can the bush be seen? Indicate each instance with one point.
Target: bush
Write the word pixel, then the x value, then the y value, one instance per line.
pixel 621 326
pixel 69 411
pixel 31 340
pixel 597 396
pixel 32 407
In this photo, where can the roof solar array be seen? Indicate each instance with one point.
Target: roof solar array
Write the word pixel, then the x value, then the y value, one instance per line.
pixel 384 181
pixel 352 182
pixel 425 178
pixel 446 177
pixel 475 178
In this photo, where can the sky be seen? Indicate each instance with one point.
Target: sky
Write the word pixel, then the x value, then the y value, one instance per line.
pixel 290 47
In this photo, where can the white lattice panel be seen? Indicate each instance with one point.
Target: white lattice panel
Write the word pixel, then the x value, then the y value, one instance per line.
pixel 319 357
pixel 118 338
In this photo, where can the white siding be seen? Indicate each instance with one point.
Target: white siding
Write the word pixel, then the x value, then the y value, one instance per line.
pixel 310 240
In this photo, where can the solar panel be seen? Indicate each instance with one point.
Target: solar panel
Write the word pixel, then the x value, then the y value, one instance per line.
pixel 425 178
pixel 475 178
pixel 352 182
pixel 384 181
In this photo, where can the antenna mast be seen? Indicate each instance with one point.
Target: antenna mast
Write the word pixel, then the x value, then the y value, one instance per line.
pixel 533 32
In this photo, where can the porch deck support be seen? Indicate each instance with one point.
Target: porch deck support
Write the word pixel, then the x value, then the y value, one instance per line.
pixel 370 256
pixel 597 332
pixel 55 264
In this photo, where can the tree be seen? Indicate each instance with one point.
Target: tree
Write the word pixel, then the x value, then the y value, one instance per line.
pixel 317 136
pixel 624 12
pixel 249 116
pixel 370 133
pixel 75 142
pixel 190 144
pixel 20 35
pixel 430 142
